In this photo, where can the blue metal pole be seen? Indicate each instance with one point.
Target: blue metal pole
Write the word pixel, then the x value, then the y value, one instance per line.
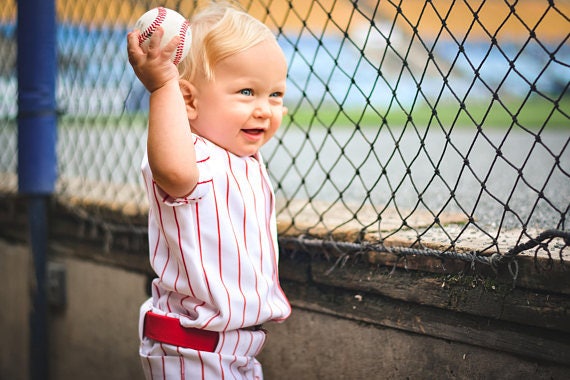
pixel 39 364
pixel 37 162
pixel 37 119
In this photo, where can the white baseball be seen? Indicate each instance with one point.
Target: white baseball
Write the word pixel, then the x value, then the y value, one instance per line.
pixel 173 24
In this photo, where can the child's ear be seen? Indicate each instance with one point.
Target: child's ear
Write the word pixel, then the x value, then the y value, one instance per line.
pixel 189 95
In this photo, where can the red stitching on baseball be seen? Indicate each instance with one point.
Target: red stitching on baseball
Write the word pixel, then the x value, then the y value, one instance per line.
pixel 155 24
pixel 182 43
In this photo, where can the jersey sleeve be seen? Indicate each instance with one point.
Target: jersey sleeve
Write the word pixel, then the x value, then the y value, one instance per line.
pixel 202 187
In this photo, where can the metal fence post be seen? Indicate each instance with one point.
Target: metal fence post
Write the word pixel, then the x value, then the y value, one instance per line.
pixel 37 162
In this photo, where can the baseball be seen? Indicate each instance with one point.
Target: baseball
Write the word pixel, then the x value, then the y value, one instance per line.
pixel 173 23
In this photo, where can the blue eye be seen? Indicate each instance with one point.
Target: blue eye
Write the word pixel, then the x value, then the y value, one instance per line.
pixel 276 94
pixel 246 91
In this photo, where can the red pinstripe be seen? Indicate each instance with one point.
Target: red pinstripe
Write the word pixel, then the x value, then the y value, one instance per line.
pixel 249 347
pixel 150 367
pixel 201 258
pixel 161 225
pixel 220 258
pixel 201 365
pixel 231 365
pixel 201 251
pixel 260 242
pixel 182 255
pixel 235 235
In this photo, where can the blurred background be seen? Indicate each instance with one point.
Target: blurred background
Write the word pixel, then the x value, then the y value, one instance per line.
pixel 418 132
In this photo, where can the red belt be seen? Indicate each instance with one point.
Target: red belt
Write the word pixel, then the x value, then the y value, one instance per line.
pixel 169 330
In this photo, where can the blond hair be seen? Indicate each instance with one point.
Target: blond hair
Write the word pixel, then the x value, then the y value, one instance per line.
pixel 220 31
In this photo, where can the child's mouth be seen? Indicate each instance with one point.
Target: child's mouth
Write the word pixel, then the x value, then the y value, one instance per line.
pixel 253 132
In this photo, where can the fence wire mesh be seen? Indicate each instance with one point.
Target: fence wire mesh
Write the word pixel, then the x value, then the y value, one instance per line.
pixel 422 127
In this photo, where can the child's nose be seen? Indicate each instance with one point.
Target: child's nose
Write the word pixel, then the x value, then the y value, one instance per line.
pixel 262 109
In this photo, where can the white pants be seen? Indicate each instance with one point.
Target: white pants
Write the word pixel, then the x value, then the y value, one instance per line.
pixel 233 358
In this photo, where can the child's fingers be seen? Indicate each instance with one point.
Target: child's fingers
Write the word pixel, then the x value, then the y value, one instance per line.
pixel 133 39
pixel 154 48
pixel 171 46
pixel 133 48
pixel 155 39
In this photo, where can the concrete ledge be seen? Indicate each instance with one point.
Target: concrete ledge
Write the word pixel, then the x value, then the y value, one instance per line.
pixel 312 345
pixel 447 318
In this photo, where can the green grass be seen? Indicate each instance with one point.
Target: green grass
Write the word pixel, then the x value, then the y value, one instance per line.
pixel 533 114
pixel 126 120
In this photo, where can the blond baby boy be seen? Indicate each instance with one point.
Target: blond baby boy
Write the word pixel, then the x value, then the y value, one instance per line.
pixel 212 231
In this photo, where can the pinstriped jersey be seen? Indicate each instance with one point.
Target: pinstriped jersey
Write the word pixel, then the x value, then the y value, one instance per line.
pixel 215 251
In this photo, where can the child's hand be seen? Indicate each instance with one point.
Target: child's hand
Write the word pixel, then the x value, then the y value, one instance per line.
pixel 152 66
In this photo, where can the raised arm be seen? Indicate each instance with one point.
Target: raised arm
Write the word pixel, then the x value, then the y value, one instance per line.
pixel 170 145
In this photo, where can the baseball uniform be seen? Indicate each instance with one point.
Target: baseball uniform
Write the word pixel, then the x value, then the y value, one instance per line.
pixel 215 255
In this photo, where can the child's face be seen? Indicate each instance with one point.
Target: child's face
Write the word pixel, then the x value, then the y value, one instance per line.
pixel 242 108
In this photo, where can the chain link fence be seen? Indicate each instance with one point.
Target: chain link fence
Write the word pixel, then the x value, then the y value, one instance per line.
pixel 417 127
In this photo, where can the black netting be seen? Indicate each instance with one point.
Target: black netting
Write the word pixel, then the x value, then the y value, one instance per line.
pixel 423 127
